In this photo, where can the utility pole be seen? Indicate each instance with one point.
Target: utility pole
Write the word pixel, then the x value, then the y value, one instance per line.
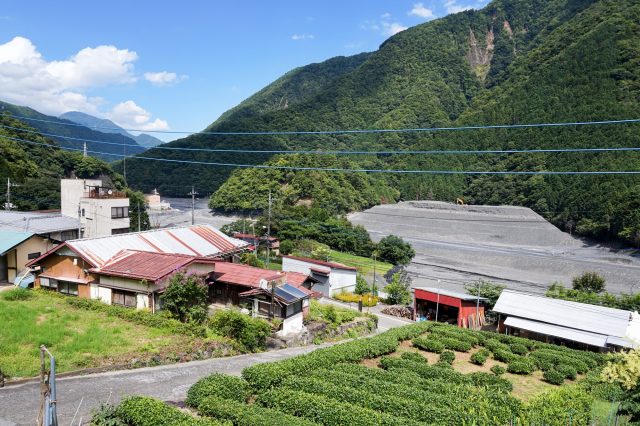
pixel 7 206
pixel 269 230
pixel 124 159
pixel 478 307
pixel 273 295
pixel 193 194
pixel 438 301
pixel 79 222
pixel 138 216
pixel 373 285
pixel 84 150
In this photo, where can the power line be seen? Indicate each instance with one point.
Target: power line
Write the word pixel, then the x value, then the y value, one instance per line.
pixel 357 131
pixel 339 169
pixel 346 152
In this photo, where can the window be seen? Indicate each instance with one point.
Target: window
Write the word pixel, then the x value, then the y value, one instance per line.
pixel 68 235
pixel 119 212
pixel 119 231
pixel 82 212
pixel 33 255
pixel 123 298
pixel 66 287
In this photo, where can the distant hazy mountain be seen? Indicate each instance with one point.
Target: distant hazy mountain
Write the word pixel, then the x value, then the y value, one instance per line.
pixel 108 126
pixel 108 145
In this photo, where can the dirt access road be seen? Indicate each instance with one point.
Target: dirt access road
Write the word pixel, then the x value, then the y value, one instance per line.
pixel 511 245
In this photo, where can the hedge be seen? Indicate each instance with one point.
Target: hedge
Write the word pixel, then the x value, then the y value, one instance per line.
pixel 456 345
pixel 428 344
pixel 324 410
pixel 247 415
pixel 250 333
pixel 447 357
pixel 145 411
pixel 425 371
pixel 218 385
pixel 566 405
pixel 498 370
pixel 521 365
pixel 504 356
pixel 568 371
pixel 553 376
pixel 268 375
pixel 518 349
pixel 480 357
pixel 413 356
pixel 546 357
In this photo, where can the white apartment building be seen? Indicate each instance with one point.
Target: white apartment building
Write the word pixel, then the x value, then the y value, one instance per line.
pixel 102 211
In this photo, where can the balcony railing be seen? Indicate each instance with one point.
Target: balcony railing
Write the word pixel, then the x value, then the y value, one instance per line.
pixel 104 193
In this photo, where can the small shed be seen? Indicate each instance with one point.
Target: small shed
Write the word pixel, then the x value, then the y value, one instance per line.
pixel 574 324
pixel 437 304
pixel 289 304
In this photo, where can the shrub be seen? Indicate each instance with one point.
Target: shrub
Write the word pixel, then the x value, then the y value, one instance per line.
pixel 106 415
pixel 498 370
pixel 399 290
pixel 521 366
pixel 480 357
pixel 186 298
pixel 251 333
pixel 553 376
pixel 492 381
pixel 504 356
pixel 241 414
pixel 17 294
pixel 362 286
pixel 367 299
pixel 518 349
pixel 413 356
pixel 568 371
pixel 495 345
pixel 395 250
pixel 220 386
pixel 428 344
pixel 559 407
pixel 456 345
pixel 589 282
pixel 447 357
pixel 286 247
pixel 144 411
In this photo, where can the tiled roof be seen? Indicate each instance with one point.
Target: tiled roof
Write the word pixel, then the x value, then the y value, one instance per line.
pixel 195 240
pixel 147 265
pixel 296 278
pixel 334 265
pixel 232 273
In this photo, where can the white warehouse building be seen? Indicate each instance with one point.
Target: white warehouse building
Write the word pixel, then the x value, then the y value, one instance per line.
pixel 333 278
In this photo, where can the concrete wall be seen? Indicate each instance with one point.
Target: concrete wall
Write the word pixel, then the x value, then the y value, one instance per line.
pixel 340 280
pixel 71 190
pixel 292 324
pixel 97 220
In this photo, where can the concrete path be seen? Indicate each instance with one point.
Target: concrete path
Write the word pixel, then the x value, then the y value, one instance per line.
pixel 19 403
pixel 385 322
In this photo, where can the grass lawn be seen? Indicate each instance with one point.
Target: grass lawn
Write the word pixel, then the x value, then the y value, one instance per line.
pixel 363 264
pixel 77 338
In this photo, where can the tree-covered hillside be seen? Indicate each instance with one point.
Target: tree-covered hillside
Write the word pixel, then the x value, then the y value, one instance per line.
pixel 71 134
pixel 514 61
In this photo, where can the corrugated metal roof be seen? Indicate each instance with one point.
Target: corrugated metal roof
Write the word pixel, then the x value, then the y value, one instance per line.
pixel 455 294
pixel 146 265
pixel 37 223
pixel 334 265
pixel 196 240
pixel 579 316
pixel 593 339
pixel 10 239
pixel 232 273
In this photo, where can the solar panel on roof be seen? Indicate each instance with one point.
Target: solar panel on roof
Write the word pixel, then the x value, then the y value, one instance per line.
pixel 286 293
pixel 293 290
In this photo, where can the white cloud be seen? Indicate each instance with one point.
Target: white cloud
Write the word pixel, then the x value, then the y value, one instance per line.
pixel 420 11
pixel 302 37
pixel 392 28
pixel 55 87
pixel 164 78
pixel 131 116
pixel 452 7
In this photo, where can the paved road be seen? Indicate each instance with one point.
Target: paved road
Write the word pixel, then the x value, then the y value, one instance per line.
pixel 19 404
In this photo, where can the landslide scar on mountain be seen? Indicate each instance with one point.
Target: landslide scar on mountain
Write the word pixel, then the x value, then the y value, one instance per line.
pixel 479 57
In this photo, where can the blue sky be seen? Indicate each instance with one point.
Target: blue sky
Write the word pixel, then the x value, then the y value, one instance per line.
pixel 179 65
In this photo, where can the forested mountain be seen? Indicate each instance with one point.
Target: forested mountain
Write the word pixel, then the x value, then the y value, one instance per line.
pixel 70 136
pixel 514 61
pixel 36 168
pixel 107 126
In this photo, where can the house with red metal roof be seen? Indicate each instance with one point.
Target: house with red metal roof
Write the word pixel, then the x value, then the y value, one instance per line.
pixel 90 267
pixel 331 277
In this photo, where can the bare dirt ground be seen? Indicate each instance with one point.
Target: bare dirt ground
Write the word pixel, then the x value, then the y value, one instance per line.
pixel 510 245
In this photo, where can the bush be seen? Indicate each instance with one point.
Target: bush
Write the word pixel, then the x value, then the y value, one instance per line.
pixel 521 366
pixel 495 345
pixel 186 298
pixel 286 247
pixel 16 294
pixel 480 357
pixel 568 371
pixel 491 381
pixel 241 414
pixel 504 356
pixel 448 357
pixel 367 299
pixel 428 344
pixel 519 349
pixel 251 259
pixel 395 250
pixel 106 415
pixel 144 411
pixel 250 333
pixel 456 345
pixel 399 290
pixel 498 370
pixel 553 376
pixel 220 386
pixel 589 282
pixel 413 356
pixel 362 286
pixel 559 407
